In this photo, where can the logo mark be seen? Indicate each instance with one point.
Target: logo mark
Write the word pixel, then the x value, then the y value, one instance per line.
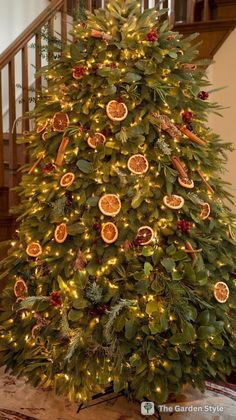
pixel 147 408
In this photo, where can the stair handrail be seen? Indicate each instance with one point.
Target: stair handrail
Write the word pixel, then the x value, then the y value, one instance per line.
pixel 27 34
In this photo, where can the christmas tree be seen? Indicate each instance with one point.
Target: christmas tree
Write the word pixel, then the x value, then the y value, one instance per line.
pixel 124 264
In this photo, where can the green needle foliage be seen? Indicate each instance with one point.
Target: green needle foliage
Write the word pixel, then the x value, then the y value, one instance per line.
pixel 141 315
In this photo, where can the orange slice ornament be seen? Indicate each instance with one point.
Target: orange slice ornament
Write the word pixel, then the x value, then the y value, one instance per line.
pixel 138 164
pixel 20 288
pixel 116 111
pixel 60 233
pixel 205 212
pixel 41 127
pixel 110 205
pixel 34 249
pixel 60 121
pixel 67 179
pixel 221 292
pixel 109 232
pixel 97 139
pixel 174 202
pixel 185 182
pixel 145 235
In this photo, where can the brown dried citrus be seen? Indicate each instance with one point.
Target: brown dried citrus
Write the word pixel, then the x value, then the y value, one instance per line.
pixel 109 232
pixel 109 204
pixel 116 111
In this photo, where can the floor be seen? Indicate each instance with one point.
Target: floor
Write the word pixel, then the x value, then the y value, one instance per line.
pixel 19 401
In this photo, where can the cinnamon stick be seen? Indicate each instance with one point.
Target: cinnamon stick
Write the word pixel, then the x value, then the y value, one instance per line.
pixel 61 151
pixel 201 174
pixel 192 136
pixel 36 163
pixel 192 251
pixel 178 165
pixel 99 34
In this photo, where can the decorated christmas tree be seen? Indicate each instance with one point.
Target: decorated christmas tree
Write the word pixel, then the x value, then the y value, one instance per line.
pixel 123 270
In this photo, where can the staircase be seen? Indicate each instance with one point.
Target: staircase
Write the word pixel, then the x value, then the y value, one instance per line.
pixel 213 19
pixel 16 56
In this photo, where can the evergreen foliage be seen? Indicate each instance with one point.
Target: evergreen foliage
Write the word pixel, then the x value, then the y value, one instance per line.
pixel 142 316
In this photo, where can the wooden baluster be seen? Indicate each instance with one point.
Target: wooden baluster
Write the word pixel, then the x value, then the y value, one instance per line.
pixel 25 96
pixel 38 80
pixel 172 12
pixel 25 88
pixel 1 138
pixel 145 4
pixel 50 36
pixel 12 133
pixel 206 11
pixel 190 11
pixel 64 24
pixel 89 5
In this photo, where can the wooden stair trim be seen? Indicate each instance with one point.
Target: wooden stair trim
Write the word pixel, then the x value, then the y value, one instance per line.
pixel 208 26
pixel 220 28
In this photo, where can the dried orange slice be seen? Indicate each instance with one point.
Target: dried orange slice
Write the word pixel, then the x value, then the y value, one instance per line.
pixel 205 212
pixel 138 164
pixel 97 139
pixel 221 292
pixel 109 232
pixel 145 235
pixel 185 182
pixel 109 204
pixel 60 233
pixel 41 127
pixel 20 288
pixel 116 111
pixel 67 179
pixel 173 201
pixel 60 121
pixel 34 249
pixel 45 134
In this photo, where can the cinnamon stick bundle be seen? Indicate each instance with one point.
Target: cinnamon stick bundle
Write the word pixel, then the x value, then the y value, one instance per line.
pixel 179 166
pixel 61 151
pixel 192 136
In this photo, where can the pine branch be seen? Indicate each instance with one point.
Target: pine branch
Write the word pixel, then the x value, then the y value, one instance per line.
pixel 65 328
pixel 94 292
pixel 31 300
pixel 75 342
pixel 113 314
pixel 164 147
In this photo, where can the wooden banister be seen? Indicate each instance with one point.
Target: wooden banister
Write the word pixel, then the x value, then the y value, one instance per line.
pixel 27 34
pixel 9 60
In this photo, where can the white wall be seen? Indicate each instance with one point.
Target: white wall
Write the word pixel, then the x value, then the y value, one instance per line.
pixel 15 16
pixel 223 73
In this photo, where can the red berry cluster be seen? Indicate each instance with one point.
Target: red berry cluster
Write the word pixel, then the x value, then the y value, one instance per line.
pixel 187 117
pixel 184 226
pixel 152 36
pixel 97 227
pixel 79 71
pixel 69 198
pixel 55 299
pixel 48 168
pixel 99 309
pixel 203 95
